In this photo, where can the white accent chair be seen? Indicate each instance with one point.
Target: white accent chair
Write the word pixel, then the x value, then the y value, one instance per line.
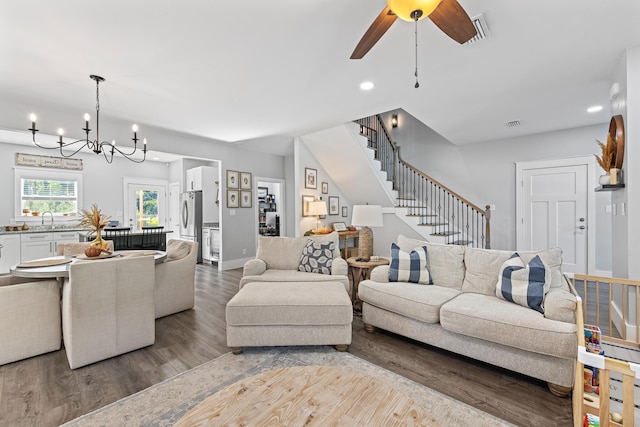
pixel 29 317
pixel 108 308
pixel 175 278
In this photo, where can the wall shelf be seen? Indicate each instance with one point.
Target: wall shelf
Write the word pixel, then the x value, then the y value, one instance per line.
pixel 610 187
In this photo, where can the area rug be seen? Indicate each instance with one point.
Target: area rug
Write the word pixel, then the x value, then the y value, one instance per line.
pixel 165 403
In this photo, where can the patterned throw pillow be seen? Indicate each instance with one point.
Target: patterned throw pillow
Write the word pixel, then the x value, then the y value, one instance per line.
pixel 524 285
pixel 316 257
pixel 409 267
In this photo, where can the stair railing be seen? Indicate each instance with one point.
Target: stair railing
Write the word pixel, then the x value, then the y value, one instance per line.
pixel 448 213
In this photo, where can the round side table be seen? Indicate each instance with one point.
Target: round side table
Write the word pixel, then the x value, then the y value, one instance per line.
pixel 359 271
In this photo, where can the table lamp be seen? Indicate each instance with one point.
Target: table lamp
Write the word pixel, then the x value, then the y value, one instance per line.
pixel 366 216
pixel 317 208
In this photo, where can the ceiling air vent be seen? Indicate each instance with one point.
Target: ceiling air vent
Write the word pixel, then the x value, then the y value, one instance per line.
pixel 513 123
pixel 481 27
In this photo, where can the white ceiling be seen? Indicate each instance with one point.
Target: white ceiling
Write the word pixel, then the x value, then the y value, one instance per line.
pixel 242 70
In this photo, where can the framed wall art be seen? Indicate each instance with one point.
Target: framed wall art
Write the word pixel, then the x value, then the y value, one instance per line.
pixel 310 178
pixel 232 179
pixel 325 188
pixel 334 205
pixel 305 204
pixel 345 211
pixel 245 198
pixel 232 198
pixel 339 226
pixel 245 180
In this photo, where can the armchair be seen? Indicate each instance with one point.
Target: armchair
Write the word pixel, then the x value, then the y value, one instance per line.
pixel 277 260
pixel 175 278
pixel 107 308
pixel 29 317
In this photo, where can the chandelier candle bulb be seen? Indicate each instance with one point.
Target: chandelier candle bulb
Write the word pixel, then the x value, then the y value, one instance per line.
pixel 60 132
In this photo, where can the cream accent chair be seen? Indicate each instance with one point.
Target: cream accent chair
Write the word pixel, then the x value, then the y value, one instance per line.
pixel 175 278
pixel 29 317
pixel 71 249
pixel 277 260
pixel 107 308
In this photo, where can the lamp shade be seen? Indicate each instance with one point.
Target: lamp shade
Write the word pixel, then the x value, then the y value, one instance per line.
pixel 367 215
pixel 318 207
pixel 404 8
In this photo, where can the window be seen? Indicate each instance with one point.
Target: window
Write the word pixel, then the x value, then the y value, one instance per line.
pixel 40 191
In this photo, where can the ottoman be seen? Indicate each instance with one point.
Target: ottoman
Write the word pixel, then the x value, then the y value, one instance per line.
pixel 289 313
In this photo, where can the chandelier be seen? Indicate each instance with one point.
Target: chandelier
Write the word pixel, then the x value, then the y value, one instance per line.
pixel 108 149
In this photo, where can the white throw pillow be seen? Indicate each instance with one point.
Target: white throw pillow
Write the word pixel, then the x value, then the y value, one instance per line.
pixel 525 285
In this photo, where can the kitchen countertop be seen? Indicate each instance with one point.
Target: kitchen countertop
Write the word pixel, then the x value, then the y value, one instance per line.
pixel 45 229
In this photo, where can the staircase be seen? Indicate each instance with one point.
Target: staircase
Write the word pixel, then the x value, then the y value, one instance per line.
pixel 428 206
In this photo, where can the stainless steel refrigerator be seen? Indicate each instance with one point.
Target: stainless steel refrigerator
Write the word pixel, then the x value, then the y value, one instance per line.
pixel 191 218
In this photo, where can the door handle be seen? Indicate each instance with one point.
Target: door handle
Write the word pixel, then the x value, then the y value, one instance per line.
pixel 582 227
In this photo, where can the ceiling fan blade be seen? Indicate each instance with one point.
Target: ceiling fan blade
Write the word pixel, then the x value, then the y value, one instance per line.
pixel 380 26
pixel 452 19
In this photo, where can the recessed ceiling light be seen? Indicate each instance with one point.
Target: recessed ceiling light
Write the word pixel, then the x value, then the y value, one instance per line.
pixel 366 85
pixel 594 109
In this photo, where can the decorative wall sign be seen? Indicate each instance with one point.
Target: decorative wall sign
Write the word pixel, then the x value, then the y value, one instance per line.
pixel 37 161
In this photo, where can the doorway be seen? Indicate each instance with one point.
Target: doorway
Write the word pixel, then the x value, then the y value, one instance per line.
pixel 270 207
pixel 555 206
pixel 145 203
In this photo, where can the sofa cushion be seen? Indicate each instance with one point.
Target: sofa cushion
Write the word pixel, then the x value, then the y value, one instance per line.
pixel 560 304
pixel 283 253
pixel 295 276
pixel 483 266
pixel 495 320
pixel 409 266
pixel 408 299
pixel 177 249
pixel 445 262
pixel 525 285
pixel 316 257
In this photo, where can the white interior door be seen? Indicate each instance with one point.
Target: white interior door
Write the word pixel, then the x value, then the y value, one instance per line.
pixel 555 213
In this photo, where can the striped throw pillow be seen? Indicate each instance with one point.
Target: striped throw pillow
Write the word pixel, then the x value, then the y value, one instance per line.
pixel 525 285
pixel 409 267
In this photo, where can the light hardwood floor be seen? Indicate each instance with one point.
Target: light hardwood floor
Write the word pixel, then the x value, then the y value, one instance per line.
pixel 44 391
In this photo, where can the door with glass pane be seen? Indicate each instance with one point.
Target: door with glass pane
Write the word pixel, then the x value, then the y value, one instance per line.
pixel 146 205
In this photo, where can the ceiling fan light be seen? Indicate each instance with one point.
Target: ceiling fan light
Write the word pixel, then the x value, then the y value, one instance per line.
pixel 405 8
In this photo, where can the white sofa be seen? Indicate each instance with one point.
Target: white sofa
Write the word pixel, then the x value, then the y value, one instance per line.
pixel 461 313
pixel 277 260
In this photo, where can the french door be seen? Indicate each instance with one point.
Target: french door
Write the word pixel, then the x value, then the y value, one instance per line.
pixel 145 203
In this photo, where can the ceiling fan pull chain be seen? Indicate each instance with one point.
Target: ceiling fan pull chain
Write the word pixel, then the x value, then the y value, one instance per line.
pixel 416 37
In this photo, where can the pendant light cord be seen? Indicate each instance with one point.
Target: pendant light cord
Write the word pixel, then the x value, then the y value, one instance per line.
pixel 416 37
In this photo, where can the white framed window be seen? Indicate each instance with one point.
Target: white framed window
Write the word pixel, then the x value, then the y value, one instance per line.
pixel 43 190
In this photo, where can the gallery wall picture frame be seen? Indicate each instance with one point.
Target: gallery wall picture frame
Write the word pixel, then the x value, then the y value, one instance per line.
pixel 334 205
pixel 339 226
pixel 233 198
pixel 345 211
pixel 305 204
pixel 233 179
pixel 245 180
pixel 262 193
pixel 325 188
pixel 311 178
pixel 245 198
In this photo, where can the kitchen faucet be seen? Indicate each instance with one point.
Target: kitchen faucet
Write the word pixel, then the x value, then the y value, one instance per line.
pixel 50 213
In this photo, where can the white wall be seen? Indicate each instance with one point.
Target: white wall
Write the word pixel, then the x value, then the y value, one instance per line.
pixel 484 173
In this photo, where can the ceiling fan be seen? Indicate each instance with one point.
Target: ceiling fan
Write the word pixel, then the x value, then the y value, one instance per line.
pixel 448 15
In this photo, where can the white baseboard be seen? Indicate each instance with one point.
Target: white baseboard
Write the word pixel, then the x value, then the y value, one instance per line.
pixel 616 318
pixel 232 264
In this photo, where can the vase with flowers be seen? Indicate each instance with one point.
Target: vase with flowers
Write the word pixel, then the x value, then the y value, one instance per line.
pixel 607 160
pixel 95 220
